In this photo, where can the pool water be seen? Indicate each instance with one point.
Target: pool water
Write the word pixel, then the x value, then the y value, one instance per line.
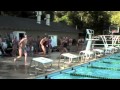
pixel 104 68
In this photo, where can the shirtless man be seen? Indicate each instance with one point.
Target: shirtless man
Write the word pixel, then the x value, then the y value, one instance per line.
pixel 43 44
pixel 22 48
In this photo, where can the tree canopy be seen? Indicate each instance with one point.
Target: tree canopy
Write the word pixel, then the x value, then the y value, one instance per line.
pixel 96 20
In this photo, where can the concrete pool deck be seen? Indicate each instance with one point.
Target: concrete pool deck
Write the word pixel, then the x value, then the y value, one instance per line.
pixel 9 70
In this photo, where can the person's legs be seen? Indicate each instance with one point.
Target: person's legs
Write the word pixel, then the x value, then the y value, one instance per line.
pixel 44 50
pixel 65 49
pixel 61 49
pixel 25 53
pixel 20 54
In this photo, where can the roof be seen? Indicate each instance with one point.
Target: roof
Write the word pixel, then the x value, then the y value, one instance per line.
pixel 18 23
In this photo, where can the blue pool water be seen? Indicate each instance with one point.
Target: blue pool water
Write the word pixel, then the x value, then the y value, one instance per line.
pixel 104 68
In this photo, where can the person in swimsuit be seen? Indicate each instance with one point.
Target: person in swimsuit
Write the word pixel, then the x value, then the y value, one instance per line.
pixel 22 49
pixel 43 44
pixel 65 44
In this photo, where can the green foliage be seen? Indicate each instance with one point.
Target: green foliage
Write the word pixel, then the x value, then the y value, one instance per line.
pixel 115 17
pixel 96 20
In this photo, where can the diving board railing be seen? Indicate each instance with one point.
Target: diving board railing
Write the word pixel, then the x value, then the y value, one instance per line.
pixel 115 40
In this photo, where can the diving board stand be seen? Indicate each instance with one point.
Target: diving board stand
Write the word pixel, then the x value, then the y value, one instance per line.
pixel 69 56
pixel 40 63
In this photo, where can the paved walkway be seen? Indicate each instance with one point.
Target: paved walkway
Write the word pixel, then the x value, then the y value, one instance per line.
pixel 9 70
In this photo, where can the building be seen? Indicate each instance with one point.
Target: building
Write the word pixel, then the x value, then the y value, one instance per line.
pixel 8 24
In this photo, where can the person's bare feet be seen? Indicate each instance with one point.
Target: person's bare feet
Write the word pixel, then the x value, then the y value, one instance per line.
pixel 14 60
pixel 26 64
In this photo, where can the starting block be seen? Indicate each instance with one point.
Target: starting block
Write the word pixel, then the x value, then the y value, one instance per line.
pixel 40 63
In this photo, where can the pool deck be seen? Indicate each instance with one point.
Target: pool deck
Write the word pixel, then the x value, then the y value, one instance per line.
pixel 10 70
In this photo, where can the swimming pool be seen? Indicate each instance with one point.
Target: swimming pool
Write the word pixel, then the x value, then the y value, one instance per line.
pixel 104 68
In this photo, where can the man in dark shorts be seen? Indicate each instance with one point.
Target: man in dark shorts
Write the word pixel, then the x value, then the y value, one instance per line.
pixel 22 49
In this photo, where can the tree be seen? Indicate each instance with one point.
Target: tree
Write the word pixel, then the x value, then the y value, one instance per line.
pixel 100 21
pixel 115 17
pixel 97 20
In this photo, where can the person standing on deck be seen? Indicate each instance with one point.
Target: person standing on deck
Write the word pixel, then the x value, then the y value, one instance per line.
pixel 22 48
pixel 43 44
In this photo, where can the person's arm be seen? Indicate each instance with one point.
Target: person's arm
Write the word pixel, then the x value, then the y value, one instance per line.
pixel 41 42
